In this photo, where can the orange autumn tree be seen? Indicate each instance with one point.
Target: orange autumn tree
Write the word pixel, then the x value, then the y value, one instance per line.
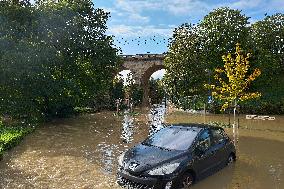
pixel 233 80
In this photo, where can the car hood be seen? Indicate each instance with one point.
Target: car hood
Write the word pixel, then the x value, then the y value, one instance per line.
pixel 142 158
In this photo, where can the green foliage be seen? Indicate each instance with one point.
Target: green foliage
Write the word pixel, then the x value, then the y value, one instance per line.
pixel 196 51
pixel 136 94
pixel 156 91
pixel 220 30
pixel 117 91
pixel 220 124
pixel 54 56
pixel 267 36
pixel 186 73
pixel 12 135
pixel 233 79
pixel 192 102
pixel 132 90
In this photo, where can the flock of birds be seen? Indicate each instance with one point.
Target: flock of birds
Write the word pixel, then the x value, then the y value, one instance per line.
pixel 142 40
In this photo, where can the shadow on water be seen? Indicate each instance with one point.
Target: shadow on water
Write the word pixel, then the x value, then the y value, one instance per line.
pixel 82 153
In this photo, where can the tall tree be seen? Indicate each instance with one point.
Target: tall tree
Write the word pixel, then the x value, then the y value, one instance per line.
pixel 184 62
pixel 196 50
pixel 221 29
pixel 62 57
pixel 267 37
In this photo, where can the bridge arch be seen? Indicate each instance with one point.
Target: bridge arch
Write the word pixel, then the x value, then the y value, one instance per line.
pixel 142 67
pixel 145 82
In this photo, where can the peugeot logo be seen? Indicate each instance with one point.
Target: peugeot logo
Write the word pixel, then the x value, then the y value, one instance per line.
pixel 132 166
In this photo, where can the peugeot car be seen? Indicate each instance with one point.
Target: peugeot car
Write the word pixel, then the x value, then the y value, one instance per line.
pixel 175 157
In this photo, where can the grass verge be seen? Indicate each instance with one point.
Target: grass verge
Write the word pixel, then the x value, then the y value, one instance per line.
pixel 11 135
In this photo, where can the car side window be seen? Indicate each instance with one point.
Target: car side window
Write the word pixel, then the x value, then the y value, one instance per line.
pixel 218 136
pixel 204 141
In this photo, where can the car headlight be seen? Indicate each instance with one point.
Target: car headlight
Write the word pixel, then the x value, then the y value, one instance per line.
pixel 121 160
pixel 164 170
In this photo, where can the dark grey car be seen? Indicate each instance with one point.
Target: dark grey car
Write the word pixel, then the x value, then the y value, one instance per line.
pixel 176 157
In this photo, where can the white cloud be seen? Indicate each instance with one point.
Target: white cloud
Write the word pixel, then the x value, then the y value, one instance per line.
pixel 137 17
pixel 176 7
pixel 277 5
pixel 187 7
pixel 130 18
pixel 193 7
pixel 108 9
pixel 141 31
pixel 123 75
pixel 259 5
pixel 131 12
pixel 245 4
pixel 159 74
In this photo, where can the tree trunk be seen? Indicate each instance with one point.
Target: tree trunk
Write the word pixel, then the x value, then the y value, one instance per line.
pixel 234 124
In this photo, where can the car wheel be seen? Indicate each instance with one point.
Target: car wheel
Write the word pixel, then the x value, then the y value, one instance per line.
pixel 231 159
pixel 187 180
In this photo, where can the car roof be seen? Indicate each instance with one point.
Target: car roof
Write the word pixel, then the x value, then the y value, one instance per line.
pixel 196 126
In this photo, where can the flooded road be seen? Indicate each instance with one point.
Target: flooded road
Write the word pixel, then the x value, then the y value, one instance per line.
pixel 82 152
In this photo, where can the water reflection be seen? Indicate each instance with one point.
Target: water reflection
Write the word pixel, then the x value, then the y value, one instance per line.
pixel 127 127
pixel 276 171
pixel 107 157
pixel 156 118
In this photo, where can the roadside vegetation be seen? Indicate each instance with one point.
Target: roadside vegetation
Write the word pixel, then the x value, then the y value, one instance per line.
pixel 197 50
pixel 55 60
pixel 10 135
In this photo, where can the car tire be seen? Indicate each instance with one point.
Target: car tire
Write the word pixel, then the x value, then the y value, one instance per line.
pixel 187 180
pixel 230 159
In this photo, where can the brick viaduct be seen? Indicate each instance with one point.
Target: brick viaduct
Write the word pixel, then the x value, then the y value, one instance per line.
pixel 142 67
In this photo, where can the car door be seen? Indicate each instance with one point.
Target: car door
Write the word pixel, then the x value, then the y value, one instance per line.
pixel 203 156
pixel 218 145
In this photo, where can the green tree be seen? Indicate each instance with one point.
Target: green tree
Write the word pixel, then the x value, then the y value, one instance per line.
pixel 234 80
pixel 156 91
pixel 220 30
pixel 184 63
pixel 196 50
pixel 118 88
pixel 133 91
pixel 267 37
pixel 60 59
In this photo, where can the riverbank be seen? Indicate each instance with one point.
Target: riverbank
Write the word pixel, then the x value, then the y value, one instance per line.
pixel 11 135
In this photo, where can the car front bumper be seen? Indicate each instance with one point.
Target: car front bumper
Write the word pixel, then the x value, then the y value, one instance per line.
pixel 126 179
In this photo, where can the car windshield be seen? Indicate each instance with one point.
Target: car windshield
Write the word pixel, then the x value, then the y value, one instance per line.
pixel 172 138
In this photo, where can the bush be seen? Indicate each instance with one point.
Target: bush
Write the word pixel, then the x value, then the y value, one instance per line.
pixel 12 135
pixel 220 124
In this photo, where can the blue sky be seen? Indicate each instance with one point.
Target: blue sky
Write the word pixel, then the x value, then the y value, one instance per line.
pixel 134 21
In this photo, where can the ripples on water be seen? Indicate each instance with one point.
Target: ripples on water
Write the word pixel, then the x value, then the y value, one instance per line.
pixel 82 153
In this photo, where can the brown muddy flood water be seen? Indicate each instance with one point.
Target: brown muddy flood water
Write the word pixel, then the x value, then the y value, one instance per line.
pixel 82 153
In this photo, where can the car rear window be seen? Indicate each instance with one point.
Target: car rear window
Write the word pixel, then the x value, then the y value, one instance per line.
pixel 172 138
